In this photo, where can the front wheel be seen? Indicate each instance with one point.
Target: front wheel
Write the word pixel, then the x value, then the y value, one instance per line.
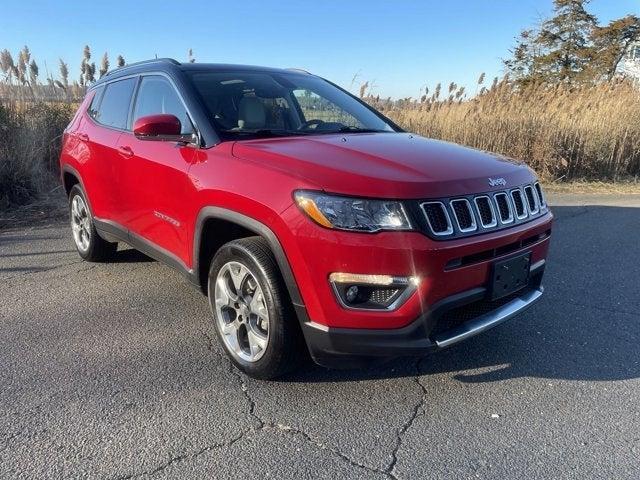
pixel 252 313
pixel 89 244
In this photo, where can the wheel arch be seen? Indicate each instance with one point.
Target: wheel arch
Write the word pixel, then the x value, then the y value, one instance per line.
pixel 70 177
pixel 236 225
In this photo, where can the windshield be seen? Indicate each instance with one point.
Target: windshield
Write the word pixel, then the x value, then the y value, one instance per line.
pixel 255 104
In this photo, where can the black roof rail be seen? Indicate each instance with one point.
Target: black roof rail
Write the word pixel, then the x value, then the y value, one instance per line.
pixel 144 62
pixel 300 70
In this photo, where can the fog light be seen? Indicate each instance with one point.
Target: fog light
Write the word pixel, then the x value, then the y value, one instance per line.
pixel 372 292
pixel 352 293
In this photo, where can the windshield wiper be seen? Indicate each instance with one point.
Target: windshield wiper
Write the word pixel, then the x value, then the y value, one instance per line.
pixel 352 129
pixel 266 132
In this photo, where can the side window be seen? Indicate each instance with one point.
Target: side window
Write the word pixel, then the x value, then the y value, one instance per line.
pixel 315 107
pixel 95 103
pixel 113 110
pixel 157 95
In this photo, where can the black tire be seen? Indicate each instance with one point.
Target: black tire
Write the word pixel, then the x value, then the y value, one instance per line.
pixel 284 349
pixel 97 249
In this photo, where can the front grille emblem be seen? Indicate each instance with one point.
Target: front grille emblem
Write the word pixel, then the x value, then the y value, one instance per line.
pixel 494 182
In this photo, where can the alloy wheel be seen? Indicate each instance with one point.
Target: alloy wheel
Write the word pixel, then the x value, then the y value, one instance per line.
pixel 241 312
pixel 80 223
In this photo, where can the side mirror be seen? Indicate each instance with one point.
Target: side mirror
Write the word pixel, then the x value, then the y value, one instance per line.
pixel 161 127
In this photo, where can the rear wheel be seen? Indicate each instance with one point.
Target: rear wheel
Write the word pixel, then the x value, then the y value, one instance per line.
pixel 252 313
pixel 89 244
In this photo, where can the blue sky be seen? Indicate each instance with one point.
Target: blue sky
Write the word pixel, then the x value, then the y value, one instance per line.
pixel 399 46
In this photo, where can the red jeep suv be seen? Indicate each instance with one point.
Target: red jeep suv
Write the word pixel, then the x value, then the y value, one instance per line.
pixel 310 220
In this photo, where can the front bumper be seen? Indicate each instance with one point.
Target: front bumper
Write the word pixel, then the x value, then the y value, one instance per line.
pixel 444 268
pixel 448 322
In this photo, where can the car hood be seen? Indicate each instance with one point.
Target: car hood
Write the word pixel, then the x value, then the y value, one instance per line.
pixel 387 165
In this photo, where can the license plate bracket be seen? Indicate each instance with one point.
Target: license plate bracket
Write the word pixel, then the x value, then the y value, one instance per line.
pixel 510 275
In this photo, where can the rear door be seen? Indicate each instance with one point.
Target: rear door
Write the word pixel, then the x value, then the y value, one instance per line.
pixel 156 186
pixel 107 120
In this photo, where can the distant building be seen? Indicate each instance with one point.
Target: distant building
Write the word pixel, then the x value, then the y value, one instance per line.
pixel 630 64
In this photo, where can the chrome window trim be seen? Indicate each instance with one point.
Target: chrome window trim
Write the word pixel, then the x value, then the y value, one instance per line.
pixel 510 207
pixel 449 230
pixel 474 225
pixel 134 97
pixel 493 212
pixel 534 195
pixel 524 205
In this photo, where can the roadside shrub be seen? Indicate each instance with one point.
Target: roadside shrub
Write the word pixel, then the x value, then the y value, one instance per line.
pixel 30 139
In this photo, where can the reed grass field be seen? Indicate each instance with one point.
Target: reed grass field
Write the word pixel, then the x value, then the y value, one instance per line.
pixel 565 133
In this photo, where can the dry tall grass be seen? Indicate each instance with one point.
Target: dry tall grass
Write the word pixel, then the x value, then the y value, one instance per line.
pixel 562 132
pixel 30 134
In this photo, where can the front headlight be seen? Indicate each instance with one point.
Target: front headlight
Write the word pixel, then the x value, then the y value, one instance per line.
pixel 355 214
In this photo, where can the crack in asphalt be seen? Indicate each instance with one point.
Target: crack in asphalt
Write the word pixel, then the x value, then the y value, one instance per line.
pixel 245 391
pixel 243 384
pixel 418 409
pixel 309 439
pixel 265 426
pixel 192 456
pixel 182 458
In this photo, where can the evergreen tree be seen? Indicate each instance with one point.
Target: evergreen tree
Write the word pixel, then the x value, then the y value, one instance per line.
pixel 611 43
pixel 566 40
pixel 570 47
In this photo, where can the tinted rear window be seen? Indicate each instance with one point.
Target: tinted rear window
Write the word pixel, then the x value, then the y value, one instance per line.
pixel 114 107
pixel 95 103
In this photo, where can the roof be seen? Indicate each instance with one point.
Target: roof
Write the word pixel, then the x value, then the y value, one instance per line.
pixel 169 64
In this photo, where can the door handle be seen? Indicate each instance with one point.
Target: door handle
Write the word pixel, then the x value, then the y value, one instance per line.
pixel 125 151
pixel 83 136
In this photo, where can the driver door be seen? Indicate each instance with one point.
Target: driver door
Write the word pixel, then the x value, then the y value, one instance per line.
pixel 157 185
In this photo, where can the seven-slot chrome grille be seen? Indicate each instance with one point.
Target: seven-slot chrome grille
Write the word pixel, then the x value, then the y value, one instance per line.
pixel 459 217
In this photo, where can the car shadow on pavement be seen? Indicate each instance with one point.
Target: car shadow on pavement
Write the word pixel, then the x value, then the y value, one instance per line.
pixel 507 352
pixel 130 255
pixel 586 327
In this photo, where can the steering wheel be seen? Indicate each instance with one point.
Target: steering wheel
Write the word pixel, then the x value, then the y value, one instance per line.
pixel 309 123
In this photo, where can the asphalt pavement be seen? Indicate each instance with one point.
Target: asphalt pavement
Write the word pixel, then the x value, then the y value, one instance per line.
pixel 112 371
